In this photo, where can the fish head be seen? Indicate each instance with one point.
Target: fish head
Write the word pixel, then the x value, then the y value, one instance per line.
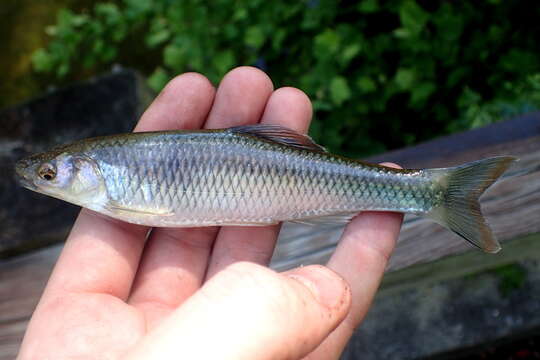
pixel 71 177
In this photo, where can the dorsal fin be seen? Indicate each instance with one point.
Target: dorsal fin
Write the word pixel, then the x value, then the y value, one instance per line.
pixel 278 134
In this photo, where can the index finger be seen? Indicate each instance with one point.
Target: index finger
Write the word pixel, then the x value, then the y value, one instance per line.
pixel 101 255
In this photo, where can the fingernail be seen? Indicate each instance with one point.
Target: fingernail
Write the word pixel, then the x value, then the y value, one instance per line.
pixel 327 287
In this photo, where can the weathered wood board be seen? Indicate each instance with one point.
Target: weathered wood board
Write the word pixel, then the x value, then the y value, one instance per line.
pixel 22 280
pixel 512 207
pixel 452 305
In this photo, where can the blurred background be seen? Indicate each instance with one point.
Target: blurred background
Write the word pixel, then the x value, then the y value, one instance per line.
pixel 381 74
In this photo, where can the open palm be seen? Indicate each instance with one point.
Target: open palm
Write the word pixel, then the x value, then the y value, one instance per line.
pixel 122 291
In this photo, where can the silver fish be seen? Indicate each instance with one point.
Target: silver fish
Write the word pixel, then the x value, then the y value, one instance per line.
pixel 252 175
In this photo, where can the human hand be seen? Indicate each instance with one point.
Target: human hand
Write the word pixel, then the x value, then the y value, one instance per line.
pixel 206 293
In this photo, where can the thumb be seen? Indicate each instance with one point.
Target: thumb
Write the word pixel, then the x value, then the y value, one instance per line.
pixel 248 311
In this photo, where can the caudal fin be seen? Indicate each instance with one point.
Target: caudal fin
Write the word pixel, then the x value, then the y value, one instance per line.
pixel 460 211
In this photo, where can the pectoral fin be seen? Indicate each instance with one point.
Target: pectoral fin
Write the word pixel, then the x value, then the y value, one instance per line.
pixel 343 218
pixel 119 209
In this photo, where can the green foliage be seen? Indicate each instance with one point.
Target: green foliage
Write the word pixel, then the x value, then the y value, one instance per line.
pixel 511 277
pixel 381 74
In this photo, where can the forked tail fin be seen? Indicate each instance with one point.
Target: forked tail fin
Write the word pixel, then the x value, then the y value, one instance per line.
pixel 460 211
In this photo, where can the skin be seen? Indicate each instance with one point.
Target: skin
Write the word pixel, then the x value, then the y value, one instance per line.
pixel 207 292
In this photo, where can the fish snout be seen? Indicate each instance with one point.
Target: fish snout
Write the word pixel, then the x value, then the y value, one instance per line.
pixel 23 173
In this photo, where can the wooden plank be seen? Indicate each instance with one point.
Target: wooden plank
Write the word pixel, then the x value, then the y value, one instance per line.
pixel 437 308
pixel 22 280
pixel 460 265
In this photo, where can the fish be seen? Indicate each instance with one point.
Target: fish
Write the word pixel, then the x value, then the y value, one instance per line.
pixel 253 175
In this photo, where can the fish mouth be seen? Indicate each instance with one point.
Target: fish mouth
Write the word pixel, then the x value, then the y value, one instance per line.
pixel 21 176
pixel 26 183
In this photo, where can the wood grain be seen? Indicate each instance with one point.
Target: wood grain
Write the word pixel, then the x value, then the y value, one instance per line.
pixel 22 280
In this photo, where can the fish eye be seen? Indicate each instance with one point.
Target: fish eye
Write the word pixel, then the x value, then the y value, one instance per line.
pixel 47 171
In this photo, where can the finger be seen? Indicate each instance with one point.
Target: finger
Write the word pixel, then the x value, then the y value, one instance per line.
pixel 246 308
pixel 361 258
pixel 174 260
pixel 289 107
pixel 99 246
pixel 172 268
pixel 240 99
pixel 184 103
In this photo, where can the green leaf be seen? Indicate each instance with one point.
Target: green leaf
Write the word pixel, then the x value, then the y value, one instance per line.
pixel 405 78
pixel 321 105
pixel 99 44
pixel 402 33
pixel 174 56
pixel 365 84
pixel 108 53
pixel 254 37
pixel 109 11
pixel 157 38
pixel 350 53
pixel 159 32
pixel 339 90
pixel 519 61
pixel 240 14
pixel 223 61
pixel 64 17
pixel 42 61
pixel 468 98
pixel 195 59
pixel 512 277
pixel 158 79
pixel 62 70
pixel 456 76
pixel 449 24
pixel 230 31
pixel 278 38
pixel 413 17
pixel 368 6
pixel 79 20
pixel 140 7
pixel 422 91
pixel 326 44
pixel 51 30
